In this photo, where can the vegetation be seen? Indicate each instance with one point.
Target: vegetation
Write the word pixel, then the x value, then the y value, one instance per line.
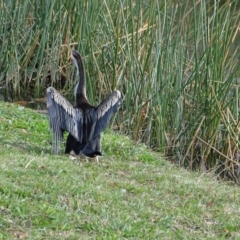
pixel 176 63
pixel 131 194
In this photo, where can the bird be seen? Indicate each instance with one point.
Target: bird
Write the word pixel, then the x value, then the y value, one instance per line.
pixel 83 122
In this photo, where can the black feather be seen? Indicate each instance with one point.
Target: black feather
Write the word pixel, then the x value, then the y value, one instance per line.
pixel 84 122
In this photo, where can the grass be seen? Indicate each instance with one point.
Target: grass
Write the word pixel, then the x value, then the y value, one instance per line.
pixel 133 193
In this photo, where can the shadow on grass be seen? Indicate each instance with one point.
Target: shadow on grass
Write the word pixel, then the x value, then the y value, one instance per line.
pixel 26 147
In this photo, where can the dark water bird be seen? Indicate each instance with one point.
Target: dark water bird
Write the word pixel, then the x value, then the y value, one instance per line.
pixel 84 122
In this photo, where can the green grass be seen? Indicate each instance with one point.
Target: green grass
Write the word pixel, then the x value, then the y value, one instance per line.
pixel 133 193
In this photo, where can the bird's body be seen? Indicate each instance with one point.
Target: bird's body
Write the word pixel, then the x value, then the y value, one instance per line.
pixel 84 122
pixel 92 150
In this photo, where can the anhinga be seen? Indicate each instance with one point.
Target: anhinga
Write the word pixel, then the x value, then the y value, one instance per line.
pixel 84 122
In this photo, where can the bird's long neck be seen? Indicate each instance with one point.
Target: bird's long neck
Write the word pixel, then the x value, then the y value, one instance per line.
pixel 80 89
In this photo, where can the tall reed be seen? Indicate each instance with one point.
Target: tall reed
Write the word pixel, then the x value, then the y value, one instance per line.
pixel 175 63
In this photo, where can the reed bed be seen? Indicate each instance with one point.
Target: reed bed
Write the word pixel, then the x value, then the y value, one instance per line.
pixel 176 64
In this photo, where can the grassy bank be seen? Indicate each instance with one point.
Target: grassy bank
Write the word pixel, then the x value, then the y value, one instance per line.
pixel 176 64
pixel 132 194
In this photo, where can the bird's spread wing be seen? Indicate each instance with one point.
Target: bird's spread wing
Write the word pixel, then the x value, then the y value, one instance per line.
pixel 63 116
pixel 103 113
